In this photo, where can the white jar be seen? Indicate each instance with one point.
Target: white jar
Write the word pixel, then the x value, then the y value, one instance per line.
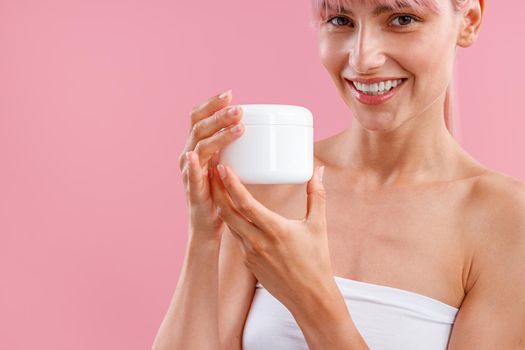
pixel 276 146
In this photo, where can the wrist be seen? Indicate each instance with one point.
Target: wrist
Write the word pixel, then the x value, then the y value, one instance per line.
pixel 325 320
pixel 203 238
pixel 201 247
pixel 201 257
pixel 323 305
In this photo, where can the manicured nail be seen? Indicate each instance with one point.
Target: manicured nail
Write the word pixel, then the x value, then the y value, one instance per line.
pixel 233 110
pixel 222 171
pixel 236 128
pixel 224 94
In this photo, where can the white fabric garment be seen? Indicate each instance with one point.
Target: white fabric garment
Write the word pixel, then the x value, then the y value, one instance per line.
pixel 388 319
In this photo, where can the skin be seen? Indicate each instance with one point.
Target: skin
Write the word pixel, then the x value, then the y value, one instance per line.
pixel 397 152
pixel 405 140
pixel 402 206
pixel 406 206
pixel 400 152
pixel 211 128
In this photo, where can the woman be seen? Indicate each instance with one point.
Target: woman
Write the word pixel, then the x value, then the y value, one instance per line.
pixel 407 241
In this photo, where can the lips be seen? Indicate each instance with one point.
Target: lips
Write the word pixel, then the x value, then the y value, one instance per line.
pixel 373 80
pixel 378 99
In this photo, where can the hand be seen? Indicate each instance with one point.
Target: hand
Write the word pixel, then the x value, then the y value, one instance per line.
pixel 289 257
pixel 212 128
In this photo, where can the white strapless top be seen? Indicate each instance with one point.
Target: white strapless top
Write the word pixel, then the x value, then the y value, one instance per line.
pixel 387 318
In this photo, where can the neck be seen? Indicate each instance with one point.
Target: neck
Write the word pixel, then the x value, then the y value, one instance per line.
pixel 420 150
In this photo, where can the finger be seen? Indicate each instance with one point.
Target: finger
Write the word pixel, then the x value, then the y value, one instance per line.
pixel 195 184
pixel 207 147
pixel 210 106
pixel 212 163
pixel 215 124
pixel 316 199
pixel 204 110
pixel 248 206
pixel 227 211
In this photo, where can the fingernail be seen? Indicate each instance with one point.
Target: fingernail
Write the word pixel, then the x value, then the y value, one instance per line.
pixel 236 128
pixel 321 173
pixel 233 110
pixel 224 94
pixel 222 171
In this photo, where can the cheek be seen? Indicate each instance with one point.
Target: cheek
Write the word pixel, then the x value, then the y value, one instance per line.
pixel 414 53
pixel 332 55
pixel 431 71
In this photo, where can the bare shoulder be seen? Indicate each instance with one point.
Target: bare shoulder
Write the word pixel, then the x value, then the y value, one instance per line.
pixel 496 283
pixel 501 196
pixel 493 180
pixel 497 214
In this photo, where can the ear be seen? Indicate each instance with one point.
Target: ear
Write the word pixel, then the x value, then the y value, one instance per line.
pixel 471 23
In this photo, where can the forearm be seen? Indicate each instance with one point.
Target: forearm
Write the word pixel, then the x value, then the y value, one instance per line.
pixel 192 318
pixel 326 323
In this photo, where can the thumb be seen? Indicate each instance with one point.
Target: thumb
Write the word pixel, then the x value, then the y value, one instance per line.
pixel 316 198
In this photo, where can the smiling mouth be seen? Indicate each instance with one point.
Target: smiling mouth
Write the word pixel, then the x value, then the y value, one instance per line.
pixel 375 96
pixel 377 89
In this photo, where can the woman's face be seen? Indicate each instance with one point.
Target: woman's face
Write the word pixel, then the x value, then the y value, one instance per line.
pixel 400 44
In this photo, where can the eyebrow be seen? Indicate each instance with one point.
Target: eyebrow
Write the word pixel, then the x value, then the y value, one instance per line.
pixel 380 9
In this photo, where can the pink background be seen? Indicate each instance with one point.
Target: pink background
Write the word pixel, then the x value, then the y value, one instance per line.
pixel 94 104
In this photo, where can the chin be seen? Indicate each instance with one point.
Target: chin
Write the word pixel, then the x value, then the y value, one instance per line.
pixel 376 121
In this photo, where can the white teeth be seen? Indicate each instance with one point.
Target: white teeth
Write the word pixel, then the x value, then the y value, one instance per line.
pixel 377 88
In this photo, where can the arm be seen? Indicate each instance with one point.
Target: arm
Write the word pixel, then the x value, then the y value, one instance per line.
pixel 492 315
pixel 236 290
pixel 192 318
pixel 325 321
pixel 273 245
pixel 195 302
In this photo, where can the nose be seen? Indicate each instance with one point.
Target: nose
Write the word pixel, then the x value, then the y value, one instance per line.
pixel 366 53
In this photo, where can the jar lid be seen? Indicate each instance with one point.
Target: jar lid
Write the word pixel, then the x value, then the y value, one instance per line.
pixel 276 114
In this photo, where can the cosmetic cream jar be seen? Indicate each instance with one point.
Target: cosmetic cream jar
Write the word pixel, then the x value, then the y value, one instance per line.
pixel 276 146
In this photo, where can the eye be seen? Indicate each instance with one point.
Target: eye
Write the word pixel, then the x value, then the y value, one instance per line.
pixel 404 19
pixel 339 24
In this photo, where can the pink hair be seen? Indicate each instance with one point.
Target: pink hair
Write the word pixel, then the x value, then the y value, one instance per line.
pixel 320 11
